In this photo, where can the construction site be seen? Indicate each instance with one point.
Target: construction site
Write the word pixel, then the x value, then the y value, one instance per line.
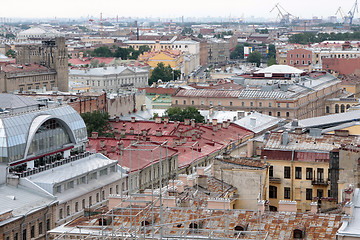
pixel 195 206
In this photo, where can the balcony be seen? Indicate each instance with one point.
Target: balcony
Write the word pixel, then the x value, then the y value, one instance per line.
pixel 274 180
pixel 323 182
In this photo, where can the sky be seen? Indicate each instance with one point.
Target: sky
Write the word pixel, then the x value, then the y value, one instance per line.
pixel 169 9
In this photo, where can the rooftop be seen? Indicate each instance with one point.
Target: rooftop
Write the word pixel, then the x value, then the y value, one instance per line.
pixel 258 122
pixel 284 69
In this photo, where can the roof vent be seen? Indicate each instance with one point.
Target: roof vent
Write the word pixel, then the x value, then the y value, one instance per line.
pixel 315 132
pixel 285 138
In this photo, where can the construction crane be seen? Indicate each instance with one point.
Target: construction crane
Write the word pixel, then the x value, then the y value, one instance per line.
pixel 285 15
pixel 352 11
pixel 340 11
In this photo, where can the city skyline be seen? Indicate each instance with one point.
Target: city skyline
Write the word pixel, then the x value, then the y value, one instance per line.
pixel 162 9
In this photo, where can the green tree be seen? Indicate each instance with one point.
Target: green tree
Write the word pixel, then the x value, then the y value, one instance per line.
pixel 187 30
pixel 254 57
pixel 144 48
pixel 102 52
pixel 10 53
pixel 272 51
pixel 178 114
pixel 164 73
pixel 122 53
pixel 97 121
pixel 200 35
pixel 271 61
pixel 238 52
pixel 94 63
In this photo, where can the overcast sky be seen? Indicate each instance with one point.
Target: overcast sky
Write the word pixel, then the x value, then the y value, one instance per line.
pixel 169 9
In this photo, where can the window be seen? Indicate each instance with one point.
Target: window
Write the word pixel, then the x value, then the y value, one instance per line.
pixel 271 171
pixel 287 105
pixel 40 228
pixel 117 189
pixel 67 210
pixel 309 194
pixel 336 108
pixel 211 103
pixel 242 104
pixel 251 104
pixel 192 102
pixel 24 234
pixel 278 105
pixel 202 102
pixel 287 114
pixel 103 194
pixel 219 103
pixel 176 102
pixel 291 62
pixel 93 175
pixel 60 213
pixel 47 224
pixel 320 174
pixel 297 172
pixel 76 206
pixel 231 103
pixel 90 201
pixel 70 184
pixel 83 204
pixel 270 113
pixel 83 179
pixel 286 172
pixel 103 172
pixel 269 104
pixel 272 192
pixel 32 232
pixel 110 191
pixel 327 109
pixel 184 102
pixel 58 189
pixel 278 114
pixel 260 104
pixel 286 192
pixel 16 236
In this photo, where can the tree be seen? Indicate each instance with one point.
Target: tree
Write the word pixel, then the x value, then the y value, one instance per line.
pixel 102 52
pixel 271 61
pixel 272 51
pixel 200 35
pixel 164 73
pixel 238 52
pixel 254 57
pixel 97 121
pixel 10 53
pixel 187 30
pixel 144 48
pixel 178 114
pixel 94 63
pixel 122 53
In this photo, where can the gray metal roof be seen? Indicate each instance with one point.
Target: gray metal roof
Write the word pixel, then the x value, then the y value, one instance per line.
pixel 261 122
pixel 330 120
pixel 105 71
pixel 257 93
pixel 22 199
pixel 49 178
pixel 12 101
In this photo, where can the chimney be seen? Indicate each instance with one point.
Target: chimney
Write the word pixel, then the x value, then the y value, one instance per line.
pixel 102 143
pixel 253 122
pixel 193 124
pixel 240 115
pixel 94 134
pixel 183 178
pixel 211 111
pixel 123 132
pixel 285 138
pixel 113 149
pixel 117 119
pixel 200 171
pixel 144 132
pixel 180 187
pixel 117 135
pixel 214 122
pixel 298 130
pixel 190 182
pixel 165 123
pixel 193 137
pixel 287 206
pixel 131 130
pixel 250 148
pixel 158 132
pixel 157 119
pixel 132 119
pixel 166 119
pixel 295 123
pixel 120 145
pixel 261 206
pixel 214 128
pixel 202 181
pixel 314 207
pixel 143 107
pixel 176 124
pixel 186 121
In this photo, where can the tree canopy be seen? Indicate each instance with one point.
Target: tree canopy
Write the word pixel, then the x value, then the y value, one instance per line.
pixel 178 114
pixel 271 61
pixel 10 53
pixel 306 38
pixel 97 121
pixel 163 73
pixel 254 57
pixel 123 53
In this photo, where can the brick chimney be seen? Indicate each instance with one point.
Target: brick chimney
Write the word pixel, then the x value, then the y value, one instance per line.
pixel 158 132
pixel 183 178
pixel 214 122
pixel 186 121
pixel 94 134
pixel 131 130
pixel 314 207
pixel 132 119
pixel 193 124
pixel 287 206
pixel 166 119
pixel 102 143
pixel 157 119
pixel 123 132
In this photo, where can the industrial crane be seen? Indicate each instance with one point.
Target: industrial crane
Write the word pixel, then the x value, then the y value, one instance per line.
pixel 285 15
pixel 340 11
pixel 352 11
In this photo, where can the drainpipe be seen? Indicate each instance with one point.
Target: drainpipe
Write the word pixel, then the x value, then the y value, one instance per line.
pixel 292 176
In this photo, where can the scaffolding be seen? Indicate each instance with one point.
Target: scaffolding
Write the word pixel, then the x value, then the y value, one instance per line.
pixel 147 215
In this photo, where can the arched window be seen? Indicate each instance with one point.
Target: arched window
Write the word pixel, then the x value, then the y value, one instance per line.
pixel 50 135
pixel 347 106
pixel 327 109
pixel 336 108
pixel 342 108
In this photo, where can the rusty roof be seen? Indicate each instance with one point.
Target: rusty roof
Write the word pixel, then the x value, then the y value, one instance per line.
pixel 215 223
